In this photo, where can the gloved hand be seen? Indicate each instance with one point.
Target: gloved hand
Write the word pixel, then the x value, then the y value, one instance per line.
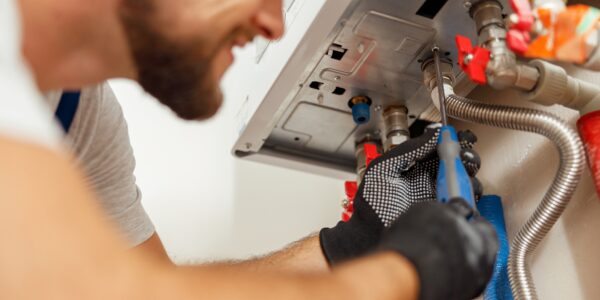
pixel 394 182
pixel 453 257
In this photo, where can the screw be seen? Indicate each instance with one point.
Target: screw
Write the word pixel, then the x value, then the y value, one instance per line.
pixel 248 146
pixel 361 48
pixel 468 59
pixel 377 132
pixel 467 4
pixel 378 108
pixel 320 98
pixel 345 203
pixel 513 19
pixel 337 78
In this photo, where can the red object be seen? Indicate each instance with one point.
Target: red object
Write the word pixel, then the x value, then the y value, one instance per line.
pixel 351 187
pixel 522 9
pixel 518 37
pixel 518 41
pixel 589 129
pixel 371 153
pixel 472 60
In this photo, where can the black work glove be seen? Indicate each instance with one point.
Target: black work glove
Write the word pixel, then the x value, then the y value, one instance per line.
pixel 453 257
pixel 394 182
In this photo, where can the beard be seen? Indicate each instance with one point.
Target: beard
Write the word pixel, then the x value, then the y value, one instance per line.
pixel 178 74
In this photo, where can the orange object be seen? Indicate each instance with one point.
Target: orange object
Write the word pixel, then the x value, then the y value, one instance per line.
pixel 566 34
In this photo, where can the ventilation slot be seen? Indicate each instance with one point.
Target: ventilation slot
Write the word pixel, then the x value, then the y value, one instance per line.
pixel 336 52
pixel 316 85
pixel 431 8
pixel 339 91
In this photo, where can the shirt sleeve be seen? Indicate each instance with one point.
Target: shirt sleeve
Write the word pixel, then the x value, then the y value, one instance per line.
pixel 101 138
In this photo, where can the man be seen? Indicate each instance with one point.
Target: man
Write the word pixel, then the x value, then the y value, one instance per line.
pixel 59 245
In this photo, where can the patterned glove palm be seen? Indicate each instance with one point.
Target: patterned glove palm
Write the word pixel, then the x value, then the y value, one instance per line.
pixel 393 183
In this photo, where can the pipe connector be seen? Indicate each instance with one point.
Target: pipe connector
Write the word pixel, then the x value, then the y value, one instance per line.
pixel 429 73
pixel 486 13
pixel 555 86
pixel 505 72
pixel 361 109
pixel 430 81
pixel 396 130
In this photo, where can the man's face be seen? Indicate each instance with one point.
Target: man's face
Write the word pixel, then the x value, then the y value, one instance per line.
pixel 182 48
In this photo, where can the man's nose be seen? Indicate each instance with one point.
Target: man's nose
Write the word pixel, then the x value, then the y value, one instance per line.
pixel 269 19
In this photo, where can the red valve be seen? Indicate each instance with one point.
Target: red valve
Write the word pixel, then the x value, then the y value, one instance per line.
pixel 518 41
pixel 351 187
pixel 518 37
pixel 371 153
pixel 524 14
pixel 472 60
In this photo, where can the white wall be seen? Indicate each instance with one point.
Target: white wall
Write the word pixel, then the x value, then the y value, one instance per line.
pixel 205 203
pixel 519 167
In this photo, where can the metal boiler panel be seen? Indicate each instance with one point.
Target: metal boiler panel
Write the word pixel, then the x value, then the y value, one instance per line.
pixel 373 48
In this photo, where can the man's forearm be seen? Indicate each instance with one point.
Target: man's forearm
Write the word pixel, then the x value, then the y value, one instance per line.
pixel 383 276
pixel 302 256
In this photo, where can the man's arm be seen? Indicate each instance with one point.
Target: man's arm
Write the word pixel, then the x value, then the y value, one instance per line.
pixel 304 256
pixel 58 245
pixel 381 276
pixel 154 247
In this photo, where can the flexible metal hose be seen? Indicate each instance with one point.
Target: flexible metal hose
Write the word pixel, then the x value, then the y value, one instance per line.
pixel 572 160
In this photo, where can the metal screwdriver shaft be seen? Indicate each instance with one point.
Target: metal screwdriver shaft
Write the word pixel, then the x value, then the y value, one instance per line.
pixel 453 181
pixel 440 84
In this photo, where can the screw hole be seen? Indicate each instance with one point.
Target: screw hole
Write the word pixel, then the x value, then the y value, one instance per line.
pixel 412 116
pixel 297 139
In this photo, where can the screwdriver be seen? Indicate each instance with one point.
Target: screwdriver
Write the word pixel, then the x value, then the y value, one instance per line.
pixel 453 181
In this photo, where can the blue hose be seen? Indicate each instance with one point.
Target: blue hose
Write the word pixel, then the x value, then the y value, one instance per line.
pixel 490 207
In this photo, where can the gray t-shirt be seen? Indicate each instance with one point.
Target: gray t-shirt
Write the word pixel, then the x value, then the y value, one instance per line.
pixel 100 140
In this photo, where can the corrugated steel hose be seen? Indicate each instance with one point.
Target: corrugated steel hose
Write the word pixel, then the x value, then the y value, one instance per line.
pixel 572 160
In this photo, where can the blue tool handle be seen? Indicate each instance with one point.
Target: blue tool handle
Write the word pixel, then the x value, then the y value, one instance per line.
pixel 453 180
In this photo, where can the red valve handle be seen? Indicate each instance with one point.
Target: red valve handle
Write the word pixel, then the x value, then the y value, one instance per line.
pixel 518 41
pixel 371 153
pixel 351 188
pixel 518 37
pixel 522 9
pixel 472 60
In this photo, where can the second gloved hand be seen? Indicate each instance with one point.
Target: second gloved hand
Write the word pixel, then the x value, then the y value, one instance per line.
pixel 453 257
pixel 394 182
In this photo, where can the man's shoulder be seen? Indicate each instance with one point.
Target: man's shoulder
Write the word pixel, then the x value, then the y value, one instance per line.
pixel 98 118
